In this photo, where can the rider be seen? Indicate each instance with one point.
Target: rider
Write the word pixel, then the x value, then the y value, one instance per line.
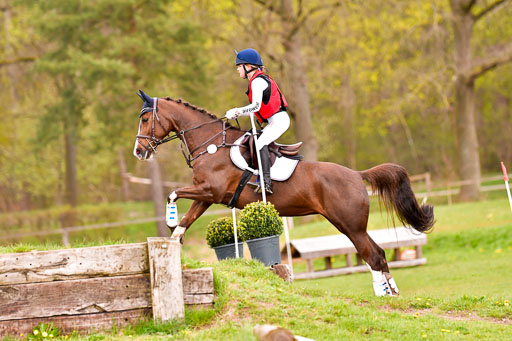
pixel 267 102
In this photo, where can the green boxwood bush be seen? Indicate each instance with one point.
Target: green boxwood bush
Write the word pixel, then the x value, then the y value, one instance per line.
pixel 221 232
pixel 259 220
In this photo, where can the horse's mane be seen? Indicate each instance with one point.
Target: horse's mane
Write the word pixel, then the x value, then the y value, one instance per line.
pixel 196 108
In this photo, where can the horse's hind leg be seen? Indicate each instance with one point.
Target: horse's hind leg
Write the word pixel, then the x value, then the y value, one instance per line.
pixel 375 257
pixel 383 282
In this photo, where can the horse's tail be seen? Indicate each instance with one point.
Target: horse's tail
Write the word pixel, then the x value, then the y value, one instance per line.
pixel 392 183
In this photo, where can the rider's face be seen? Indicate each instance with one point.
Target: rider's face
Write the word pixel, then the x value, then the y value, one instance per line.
pixel 240 69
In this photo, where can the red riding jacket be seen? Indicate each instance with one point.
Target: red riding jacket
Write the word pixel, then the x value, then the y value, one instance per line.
pixel 273 99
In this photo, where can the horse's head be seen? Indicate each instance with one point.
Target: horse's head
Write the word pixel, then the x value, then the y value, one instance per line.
pixel 151 129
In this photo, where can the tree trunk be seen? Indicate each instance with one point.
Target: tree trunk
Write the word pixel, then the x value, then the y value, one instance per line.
pixel 9 52
pixel 158 196
pixel 348 104
pixel 125 184
pixel 298 95
pixel 71 187
pixel 469 159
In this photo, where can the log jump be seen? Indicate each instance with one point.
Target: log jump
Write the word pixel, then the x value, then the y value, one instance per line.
pixel 95 287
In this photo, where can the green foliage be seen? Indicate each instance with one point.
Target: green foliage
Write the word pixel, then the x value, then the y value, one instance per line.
pixel 44 332
pixel 380 91
pixel 59 217
pixel 258 220
pixel 220 232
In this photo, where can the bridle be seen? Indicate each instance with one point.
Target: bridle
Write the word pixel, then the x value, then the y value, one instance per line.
pixel 153 142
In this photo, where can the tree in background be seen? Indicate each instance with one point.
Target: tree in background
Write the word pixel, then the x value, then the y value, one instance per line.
pixel 293 17
pixel 379 83
pixel 98 62
pixel 465 14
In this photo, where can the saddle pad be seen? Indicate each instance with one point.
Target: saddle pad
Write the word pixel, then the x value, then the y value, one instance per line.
pixel 281 170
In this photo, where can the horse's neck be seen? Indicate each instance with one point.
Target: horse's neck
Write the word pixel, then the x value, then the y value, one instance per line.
pixel 186 118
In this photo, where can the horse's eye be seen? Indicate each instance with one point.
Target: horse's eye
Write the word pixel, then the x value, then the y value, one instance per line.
pixel 144 120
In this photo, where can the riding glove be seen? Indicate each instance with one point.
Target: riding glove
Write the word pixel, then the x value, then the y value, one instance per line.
pixel 232 113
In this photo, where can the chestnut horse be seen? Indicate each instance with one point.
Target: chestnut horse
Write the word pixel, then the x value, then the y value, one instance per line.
pixel 336 192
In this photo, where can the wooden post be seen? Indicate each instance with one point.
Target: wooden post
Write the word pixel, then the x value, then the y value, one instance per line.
pixel 419 252
pixel 428 182
pixel 65 237
pixel 328 263
pixel 309 265
pixel 283 271
pixel 348 258
pixel 448 193
pixel 271 333
pixel 124 180
pixel 166 279
pixel 158 196
pixel 397 254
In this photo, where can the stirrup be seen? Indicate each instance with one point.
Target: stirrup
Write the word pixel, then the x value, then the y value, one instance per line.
pixel 256 186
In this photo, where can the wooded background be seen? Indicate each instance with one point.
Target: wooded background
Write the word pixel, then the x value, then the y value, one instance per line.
pixel 426 84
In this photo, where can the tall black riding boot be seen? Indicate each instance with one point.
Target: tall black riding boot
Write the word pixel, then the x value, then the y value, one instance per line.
pixel 265 165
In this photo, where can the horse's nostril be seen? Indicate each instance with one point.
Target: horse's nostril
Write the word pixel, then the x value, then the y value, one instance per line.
pixel 137 151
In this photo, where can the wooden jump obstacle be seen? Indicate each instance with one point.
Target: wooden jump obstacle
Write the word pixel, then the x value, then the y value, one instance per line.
pixel 309 249
pixel 95 287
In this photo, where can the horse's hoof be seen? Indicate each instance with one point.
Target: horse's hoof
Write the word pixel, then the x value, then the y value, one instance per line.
pixel 178 234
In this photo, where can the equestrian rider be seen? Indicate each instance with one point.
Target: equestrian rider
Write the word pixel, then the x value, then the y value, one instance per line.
pixel 266 101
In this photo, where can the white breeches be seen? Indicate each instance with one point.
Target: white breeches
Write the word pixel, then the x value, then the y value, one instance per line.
pixel 277 125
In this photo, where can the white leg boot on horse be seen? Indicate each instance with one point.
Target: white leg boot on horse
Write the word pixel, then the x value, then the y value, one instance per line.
pixel 383 283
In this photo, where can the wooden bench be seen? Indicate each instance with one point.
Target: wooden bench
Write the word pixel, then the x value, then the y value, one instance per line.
pixel 309 249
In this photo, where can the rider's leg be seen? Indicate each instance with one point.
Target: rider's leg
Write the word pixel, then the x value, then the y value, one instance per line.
pixel 277 125
pixel 265 167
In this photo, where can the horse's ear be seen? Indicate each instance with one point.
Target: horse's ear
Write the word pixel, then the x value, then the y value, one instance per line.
pixel 145 97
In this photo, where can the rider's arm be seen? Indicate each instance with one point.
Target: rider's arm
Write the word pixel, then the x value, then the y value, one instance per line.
pixel 258 86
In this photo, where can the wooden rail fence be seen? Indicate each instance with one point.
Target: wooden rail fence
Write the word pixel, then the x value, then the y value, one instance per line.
pixel 427 191
pixel 95 287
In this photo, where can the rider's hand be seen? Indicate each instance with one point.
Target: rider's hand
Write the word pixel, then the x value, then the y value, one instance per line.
pixel 232 113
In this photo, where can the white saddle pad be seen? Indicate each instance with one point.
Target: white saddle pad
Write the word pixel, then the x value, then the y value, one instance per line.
pixel 281 170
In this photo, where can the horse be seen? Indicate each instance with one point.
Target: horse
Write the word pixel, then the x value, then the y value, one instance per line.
pixel 336 192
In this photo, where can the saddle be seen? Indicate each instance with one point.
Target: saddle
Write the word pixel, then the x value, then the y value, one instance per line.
pixel 276 151
pixel 283 161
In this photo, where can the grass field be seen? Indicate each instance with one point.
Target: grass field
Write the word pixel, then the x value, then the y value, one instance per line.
pixel 462 293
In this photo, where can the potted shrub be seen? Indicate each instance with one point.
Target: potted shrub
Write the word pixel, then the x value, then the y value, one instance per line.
pixel 220 237
pixel 260 226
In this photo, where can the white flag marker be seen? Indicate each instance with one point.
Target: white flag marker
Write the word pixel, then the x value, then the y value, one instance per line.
pixel 505 177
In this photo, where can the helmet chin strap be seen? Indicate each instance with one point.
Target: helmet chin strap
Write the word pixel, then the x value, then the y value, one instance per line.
pixel 247 72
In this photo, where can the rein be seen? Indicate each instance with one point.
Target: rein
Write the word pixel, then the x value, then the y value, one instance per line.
pixel 188 154
pixel 154 142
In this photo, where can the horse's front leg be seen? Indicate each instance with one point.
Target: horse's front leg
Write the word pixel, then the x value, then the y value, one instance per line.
pixel 203 199
pixel 195 211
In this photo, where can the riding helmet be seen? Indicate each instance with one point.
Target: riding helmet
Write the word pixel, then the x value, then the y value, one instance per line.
pixel 248 56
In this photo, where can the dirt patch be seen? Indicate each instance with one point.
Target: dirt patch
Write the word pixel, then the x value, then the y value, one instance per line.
pixel 471 316
pixel 449 315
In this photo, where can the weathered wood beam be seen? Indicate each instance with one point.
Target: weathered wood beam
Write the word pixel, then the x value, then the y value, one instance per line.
pixel 66 264
pixel 166 279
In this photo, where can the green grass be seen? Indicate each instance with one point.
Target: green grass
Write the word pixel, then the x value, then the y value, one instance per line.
pixel 249 294
pixel 463 292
